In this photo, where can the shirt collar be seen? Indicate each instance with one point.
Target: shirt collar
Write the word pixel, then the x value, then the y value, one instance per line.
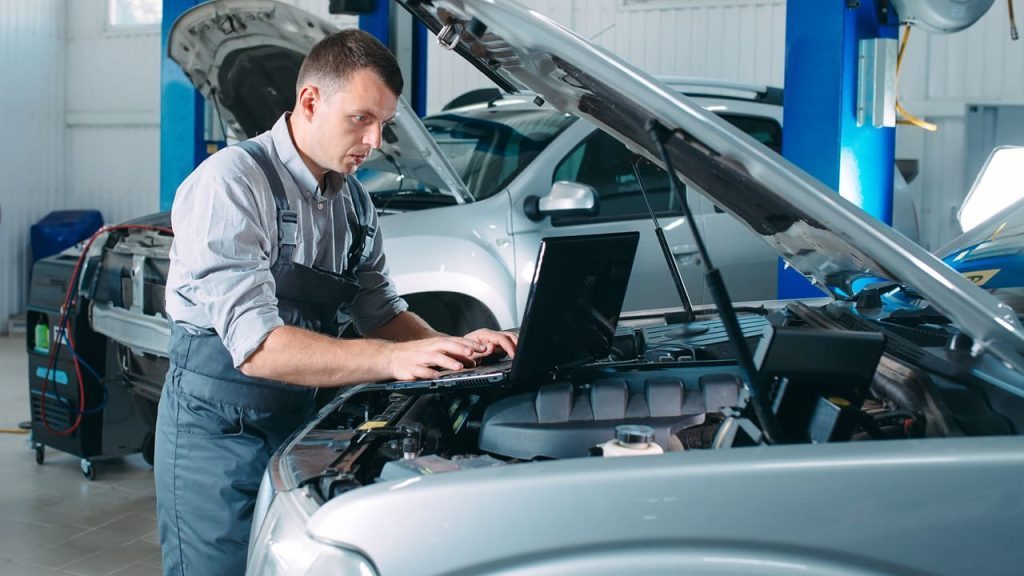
pixel 293 163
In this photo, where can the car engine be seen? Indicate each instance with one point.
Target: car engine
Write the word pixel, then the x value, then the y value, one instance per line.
pixel 683 390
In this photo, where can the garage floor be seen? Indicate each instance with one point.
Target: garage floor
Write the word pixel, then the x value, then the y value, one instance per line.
pixel 53 520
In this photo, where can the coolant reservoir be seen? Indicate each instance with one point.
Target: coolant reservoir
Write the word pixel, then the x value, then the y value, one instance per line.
pixel 631 440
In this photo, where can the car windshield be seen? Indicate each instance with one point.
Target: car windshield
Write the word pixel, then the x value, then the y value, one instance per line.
pixel 487 147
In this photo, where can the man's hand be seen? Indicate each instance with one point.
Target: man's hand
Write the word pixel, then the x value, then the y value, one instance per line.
pixel 422 359
pixel 493 342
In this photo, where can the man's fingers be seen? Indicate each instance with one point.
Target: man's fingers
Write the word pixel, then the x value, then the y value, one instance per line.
pixel 507 343
pixel 424 373
pixel 446 362
pixel 459 347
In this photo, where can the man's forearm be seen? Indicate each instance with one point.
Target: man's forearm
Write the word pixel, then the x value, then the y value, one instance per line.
pixel 297 356
pixel 403 327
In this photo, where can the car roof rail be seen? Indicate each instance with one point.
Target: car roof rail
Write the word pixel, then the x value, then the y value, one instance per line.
pixel 694 86
pixel 691 86
pixel 478 96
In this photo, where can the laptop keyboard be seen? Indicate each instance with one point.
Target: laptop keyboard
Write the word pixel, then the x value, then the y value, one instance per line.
pixel 500 366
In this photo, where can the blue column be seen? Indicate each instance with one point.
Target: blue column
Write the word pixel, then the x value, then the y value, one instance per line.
pixel 182 143
pixel 378 22
pixel 820 133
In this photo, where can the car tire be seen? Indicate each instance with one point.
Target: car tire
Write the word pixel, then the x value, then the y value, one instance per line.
pixel 450 313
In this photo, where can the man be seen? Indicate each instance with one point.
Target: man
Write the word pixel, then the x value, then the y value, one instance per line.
pixel 276 251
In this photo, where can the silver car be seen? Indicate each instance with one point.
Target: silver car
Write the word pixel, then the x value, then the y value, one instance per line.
pixel 877 433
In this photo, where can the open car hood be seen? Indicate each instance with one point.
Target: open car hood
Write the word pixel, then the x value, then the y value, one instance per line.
pixel 828 239
pixel 245 55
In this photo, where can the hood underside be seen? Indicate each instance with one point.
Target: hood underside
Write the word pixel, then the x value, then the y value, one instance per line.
pixel 244 56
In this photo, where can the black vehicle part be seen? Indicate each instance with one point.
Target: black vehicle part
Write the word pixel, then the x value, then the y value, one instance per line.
pixel 896 378
pixel 824 376
pixel 563 421
pixel 700 437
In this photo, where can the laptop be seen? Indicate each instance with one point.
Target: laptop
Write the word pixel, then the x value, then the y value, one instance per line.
pixel 575 299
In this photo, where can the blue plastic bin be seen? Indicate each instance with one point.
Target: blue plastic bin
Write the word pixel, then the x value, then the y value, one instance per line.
pixel 62 229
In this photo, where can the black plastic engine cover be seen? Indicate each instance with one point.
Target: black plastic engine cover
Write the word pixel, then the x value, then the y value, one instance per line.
pixel 562 421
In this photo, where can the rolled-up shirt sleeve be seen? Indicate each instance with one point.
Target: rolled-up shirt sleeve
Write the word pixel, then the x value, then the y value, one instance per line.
pixel 377 301
pixel 223 248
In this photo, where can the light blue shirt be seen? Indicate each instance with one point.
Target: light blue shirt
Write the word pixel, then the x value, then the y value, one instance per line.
pixel 225 241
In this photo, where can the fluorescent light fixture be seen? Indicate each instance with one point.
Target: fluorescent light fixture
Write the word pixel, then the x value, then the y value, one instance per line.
pixel 999 184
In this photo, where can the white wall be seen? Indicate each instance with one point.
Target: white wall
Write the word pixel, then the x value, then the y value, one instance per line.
pixel 113 115
pixel 32 149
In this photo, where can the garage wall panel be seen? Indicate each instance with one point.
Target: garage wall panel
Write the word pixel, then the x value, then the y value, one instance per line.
pixel 112 114
pixel 124 189
pixel 942 182
pixel 32 148
pixel 977 64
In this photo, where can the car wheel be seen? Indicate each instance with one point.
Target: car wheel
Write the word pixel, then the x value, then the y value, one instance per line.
pixel 451 313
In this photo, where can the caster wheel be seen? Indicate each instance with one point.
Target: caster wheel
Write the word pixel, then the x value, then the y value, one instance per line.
pixel 88 470
pixel 40 454
pixel 148 448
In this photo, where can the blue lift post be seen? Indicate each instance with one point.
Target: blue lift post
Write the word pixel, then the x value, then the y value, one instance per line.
pixel 820 109
pixel 379 23
pixel 182 141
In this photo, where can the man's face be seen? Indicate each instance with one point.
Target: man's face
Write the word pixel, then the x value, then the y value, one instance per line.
pixel 346 124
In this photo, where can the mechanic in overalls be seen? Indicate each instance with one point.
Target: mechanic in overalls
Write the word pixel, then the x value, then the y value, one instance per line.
pixel 277 249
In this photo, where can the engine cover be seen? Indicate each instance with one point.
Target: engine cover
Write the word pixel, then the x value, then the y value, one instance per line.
pixel 564 421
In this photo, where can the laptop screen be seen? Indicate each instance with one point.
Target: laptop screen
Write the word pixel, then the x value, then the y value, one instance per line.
pixel 578 288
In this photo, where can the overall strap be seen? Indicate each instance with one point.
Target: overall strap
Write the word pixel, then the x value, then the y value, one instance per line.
pixel 362 229
pixel 287 219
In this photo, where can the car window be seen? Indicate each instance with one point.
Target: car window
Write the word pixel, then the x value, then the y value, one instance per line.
pixel 765 130
pixel 606 164
pixel 489 147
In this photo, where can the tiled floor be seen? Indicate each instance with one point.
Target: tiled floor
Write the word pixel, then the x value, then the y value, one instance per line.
pixel 53 520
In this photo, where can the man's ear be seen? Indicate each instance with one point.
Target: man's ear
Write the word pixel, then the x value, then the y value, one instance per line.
pixel 307 101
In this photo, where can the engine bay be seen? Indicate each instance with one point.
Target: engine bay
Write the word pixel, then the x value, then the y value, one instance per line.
pixel 684 389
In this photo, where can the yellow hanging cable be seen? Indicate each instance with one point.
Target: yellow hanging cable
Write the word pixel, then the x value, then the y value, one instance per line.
pixel 908 118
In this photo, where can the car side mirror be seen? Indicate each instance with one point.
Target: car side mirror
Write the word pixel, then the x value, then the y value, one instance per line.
pixel 564 199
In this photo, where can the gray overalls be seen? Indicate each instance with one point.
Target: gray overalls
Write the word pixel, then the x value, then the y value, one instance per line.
pixel 217 427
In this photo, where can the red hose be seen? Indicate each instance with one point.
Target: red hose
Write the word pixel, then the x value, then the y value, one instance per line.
pixel 65 310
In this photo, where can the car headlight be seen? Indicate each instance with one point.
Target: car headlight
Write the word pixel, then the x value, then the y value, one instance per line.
pixel 282 547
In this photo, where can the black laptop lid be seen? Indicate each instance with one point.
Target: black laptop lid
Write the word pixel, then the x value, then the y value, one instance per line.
pixel 575 300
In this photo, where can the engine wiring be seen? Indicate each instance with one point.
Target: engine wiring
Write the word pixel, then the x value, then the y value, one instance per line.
pixel 64 336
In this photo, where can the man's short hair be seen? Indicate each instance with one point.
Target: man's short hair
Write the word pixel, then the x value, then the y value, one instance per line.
pixel 334 59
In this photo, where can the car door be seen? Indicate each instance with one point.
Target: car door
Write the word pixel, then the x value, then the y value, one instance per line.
pixel 596 159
